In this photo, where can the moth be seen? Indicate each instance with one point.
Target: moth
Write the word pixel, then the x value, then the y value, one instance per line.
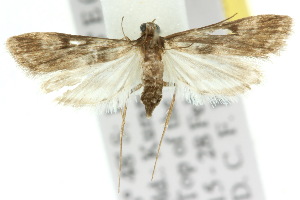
pixel 199 63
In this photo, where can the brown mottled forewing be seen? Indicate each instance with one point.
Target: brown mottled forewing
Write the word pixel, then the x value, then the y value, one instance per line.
pixel 211 66
pixel 47 51
pixel 255 36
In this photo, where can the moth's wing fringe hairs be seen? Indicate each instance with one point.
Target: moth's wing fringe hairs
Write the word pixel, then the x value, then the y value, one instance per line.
pixel 211 78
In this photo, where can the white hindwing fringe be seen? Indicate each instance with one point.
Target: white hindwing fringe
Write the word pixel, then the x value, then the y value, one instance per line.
pixel 106 85
pixel 207 77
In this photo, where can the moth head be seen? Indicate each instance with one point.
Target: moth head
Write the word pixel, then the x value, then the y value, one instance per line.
pixel 149 28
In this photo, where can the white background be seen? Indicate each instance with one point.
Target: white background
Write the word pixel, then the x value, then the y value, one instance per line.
pixel 52 152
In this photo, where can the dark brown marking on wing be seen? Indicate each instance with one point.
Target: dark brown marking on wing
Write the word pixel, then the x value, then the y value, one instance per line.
pixel 49 52
pixel 255 36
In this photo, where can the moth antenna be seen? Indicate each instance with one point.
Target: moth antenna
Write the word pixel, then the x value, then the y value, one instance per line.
pixel 230 17
pixel 219 23
pixel 225 19
pixel 127 38
pixel 164 131
pixel 123 114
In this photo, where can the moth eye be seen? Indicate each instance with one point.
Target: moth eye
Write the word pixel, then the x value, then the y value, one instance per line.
pixel 143 27
pixel 157 28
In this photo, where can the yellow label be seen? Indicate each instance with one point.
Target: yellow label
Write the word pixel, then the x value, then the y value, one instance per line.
pixel 232 7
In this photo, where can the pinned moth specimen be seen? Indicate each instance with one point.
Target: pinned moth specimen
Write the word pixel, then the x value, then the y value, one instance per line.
pixel 200 65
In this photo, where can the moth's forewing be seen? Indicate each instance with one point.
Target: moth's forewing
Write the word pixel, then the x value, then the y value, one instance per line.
pixel 216 68
pixel 255 36
pixel 48 52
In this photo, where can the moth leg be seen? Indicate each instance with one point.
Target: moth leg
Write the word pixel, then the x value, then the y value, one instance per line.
pixel 123 114
pixel 167 84
pixel 181 47
pixel 164 131
pixel 136 88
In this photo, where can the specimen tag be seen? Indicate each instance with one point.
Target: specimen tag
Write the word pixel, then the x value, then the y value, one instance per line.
pixel 207 152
